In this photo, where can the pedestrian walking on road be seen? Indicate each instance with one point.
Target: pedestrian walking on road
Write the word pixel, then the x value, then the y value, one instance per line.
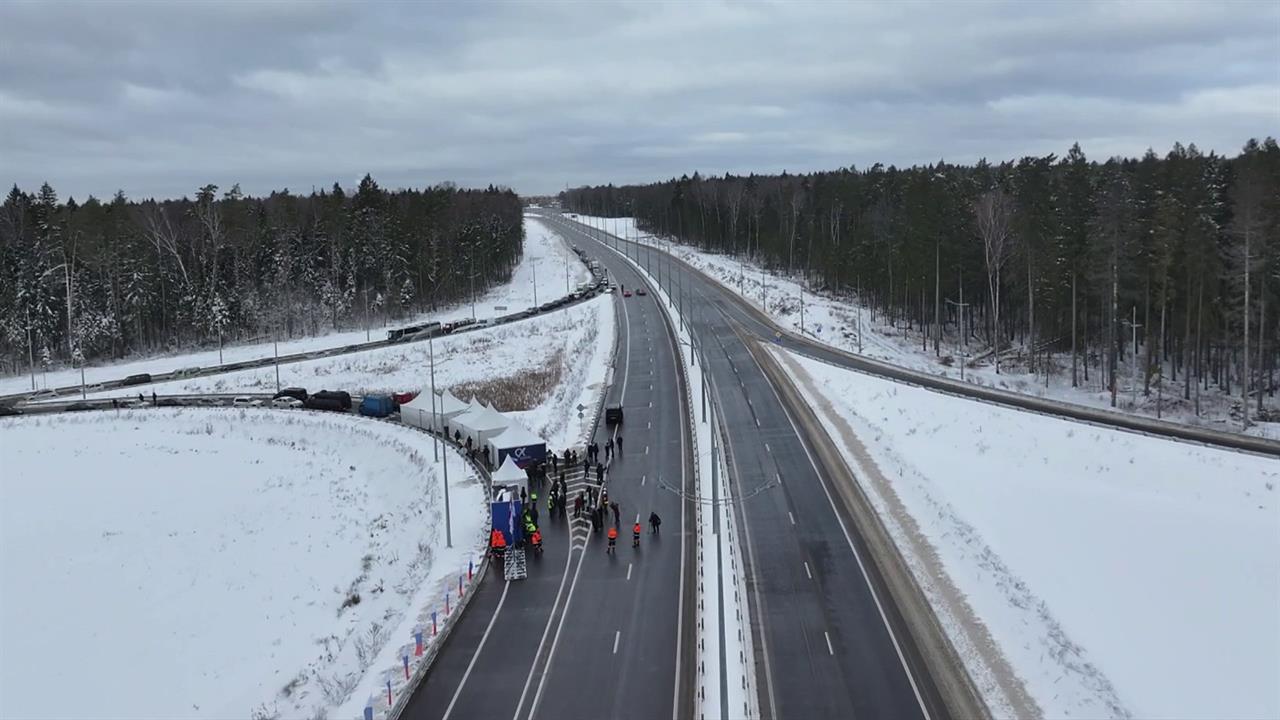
pixel 577 506
pixel 608 448
pixel 617 512
pixel 599 473
pixel 555 463
pixel 619 441
pixel 655 522
pixel 586 467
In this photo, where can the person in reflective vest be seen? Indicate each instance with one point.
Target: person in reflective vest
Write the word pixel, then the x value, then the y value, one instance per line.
pixel 635 535
pixel 536 539
pixel 613 538
pixel 498 543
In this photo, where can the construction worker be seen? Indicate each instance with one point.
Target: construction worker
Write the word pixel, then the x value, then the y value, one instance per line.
pixel 497 543
pixel 536 539
pixel 635 535
pixel 613 539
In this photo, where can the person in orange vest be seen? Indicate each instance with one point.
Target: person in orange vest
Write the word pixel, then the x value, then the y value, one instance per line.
pixel 635 535
pixel 536 539
pixel 613 538
pixel 498 543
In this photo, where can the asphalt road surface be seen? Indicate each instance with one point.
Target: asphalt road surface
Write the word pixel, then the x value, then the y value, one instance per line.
pixel 591 634
pixel 828 641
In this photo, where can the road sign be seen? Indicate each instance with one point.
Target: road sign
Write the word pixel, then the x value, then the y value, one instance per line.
pixel 777 337
pixel 581 407
pixel 580 415
pixel 499 308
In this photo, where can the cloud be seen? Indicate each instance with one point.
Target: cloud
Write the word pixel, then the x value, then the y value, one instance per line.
pixel 158 99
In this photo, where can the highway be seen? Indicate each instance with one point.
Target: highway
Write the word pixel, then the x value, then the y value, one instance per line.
pixel 590 634
pixel 829 640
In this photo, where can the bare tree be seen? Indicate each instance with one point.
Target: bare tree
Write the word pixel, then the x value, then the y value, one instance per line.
pixel 1247 225
pixel 993 211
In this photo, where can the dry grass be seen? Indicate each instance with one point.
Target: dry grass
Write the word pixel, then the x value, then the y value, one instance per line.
pixel 522 391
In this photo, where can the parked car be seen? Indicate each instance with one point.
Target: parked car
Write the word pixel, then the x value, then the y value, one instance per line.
pixel 41 394
pixel 186 372
pixel 341 397
pixel 626 293
pixel 613 414
pixel 246 401
pixel 296 393
pixel 641 291
pixel 9 411
pixel 139 379
pixel 77 407
pixel 377 405
pixel 286 402
pixel 326 402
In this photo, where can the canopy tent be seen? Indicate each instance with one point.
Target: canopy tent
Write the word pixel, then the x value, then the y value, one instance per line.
pixel 479 425
pixel 517 443
pixel 447 408
pixel 510 476
pixel 417 412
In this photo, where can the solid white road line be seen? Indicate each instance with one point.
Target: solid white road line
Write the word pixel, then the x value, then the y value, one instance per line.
pixel 617 635
pixel 463 683
pixel 830 649
pixel 806 570
pixel 856 555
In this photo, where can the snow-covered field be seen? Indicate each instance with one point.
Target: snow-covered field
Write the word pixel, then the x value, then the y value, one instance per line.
pixel 577 339
pixel 836 321
pixel 545 261
pixel 1117 574
pixel 202 563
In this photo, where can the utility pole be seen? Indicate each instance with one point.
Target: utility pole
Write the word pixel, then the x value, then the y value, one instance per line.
pixel 31 352
pixel 533 262
pixel 802 308
pixel 859 314
pixel 366 313
pixel 275 349
pixel 1133 375
pixel 448 521
pixel 435 441
pixel 471 261
pixel 960 352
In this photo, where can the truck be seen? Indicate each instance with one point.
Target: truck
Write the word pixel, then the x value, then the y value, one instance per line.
pixel 412 332
pixel 377 405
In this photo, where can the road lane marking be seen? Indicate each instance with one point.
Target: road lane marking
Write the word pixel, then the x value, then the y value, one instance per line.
pixel 757 422
pixel 806 570
pixel 830 649
pixel 463 683
pixel 617 635
pixel 642 477
pixel 793 517
pixel 778 476
pixel 628 571
pixel 648 425
pixel 646 449
pixel 766 448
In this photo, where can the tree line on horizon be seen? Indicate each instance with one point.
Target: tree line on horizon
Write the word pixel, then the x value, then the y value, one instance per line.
pixel 1050 256
pixel 90 280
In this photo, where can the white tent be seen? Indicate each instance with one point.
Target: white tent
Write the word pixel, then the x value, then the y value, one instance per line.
pixel 510 475
pixel 518 443
pixel 479 425
pixel 417 412
pixel 447 408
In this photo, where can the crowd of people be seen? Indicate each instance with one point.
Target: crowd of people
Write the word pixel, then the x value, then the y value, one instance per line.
pixel 593 502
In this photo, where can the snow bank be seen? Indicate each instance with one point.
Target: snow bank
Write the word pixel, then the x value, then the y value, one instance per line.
pixel 541 272
pixel 1119 574
pixel 205 563
pixel 500 351
pixel 837 321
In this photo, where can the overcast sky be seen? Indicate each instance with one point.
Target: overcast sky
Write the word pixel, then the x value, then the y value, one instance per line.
pixel 159 98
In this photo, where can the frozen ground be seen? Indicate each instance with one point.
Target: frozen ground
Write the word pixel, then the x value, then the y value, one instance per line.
pixel 201 563
pixel 574 341
pixel 836 321
pixel 1117 574
pixel 545 260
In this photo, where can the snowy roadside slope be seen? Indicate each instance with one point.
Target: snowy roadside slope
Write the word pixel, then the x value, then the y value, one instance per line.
pixel 195 563
pixel 544 261
pixel 503 350
pixel 1118 574
pixel 835 321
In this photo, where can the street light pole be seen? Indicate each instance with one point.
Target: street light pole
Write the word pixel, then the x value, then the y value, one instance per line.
pixel 435 441
pixel 963 355
pixel 275 349
pixel 533 262
pixel 1133 374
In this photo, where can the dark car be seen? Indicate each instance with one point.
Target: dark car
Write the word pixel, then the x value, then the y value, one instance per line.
pixel 139 379
pixel 7 411
pixel 77 407
pixel 328 398
pixel 613 414
pixel 296 393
